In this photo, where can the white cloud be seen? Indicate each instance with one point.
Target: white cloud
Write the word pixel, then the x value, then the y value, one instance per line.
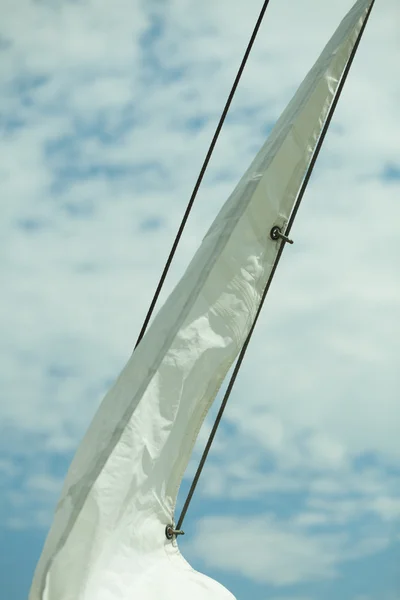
pixel 276 552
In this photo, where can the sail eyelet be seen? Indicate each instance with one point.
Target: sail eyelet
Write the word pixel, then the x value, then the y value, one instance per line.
pixel 171 532
pixel 276 234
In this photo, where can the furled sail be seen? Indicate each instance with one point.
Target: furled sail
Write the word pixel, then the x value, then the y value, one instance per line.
pixel 107 540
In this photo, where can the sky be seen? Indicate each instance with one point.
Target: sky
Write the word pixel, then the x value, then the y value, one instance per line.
pixel 107 108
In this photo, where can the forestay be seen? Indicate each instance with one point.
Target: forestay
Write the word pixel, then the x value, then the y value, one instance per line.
pixel 107 540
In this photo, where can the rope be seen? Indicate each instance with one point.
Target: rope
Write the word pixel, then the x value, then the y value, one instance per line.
pixel 278 257
pixel 202 172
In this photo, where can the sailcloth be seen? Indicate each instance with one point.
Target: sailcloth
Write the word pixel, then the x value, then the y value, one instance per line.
pixel 107 541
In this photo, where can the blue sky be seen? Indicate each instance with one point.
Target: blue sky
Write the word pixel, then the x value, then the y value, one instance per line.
pixel 106 112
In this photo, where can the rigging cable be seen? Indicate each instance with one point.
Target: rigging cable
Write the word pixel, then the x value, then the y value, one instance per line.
pixel 283 242
pixel 202 172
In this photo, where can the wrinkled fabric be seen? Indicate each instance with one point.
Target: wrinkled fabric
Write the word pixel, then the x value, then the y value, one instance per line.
pixel 107 540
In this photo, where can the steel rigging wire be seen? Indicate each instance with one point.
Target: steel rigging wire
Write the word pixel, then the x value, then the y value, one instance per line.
pixel 202 172
pixel 282 245
pixel 170 529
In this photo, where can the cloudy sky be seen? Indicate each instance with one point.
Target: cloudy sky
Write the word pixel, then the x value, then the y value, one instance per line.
pixel 107 108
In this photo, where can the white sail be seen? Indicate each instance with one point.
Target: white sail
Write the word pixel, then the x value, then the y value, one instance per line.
pixel 107 540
